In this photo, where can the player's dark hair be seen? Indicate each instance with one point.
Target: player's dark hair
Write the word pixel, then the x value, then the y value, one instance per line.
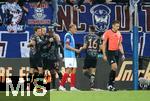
pixel 115 22
pixel 92 28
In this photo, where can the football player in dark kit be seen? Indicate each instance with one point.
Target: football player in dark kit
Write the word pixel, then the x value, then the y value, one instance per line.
pixel 112 47
pixel 36 69
pixel 50 55
pixel 92 45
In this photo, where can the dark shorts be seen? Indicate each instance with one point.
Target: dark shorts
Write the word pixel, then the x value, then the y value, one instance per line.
pixel 113 57
pixel 50 64
pixel 90 63
pixel 35 61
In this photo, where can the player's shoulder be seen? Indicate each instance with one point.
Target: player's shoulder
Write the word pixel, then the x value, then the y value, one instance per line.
pixel 119 33
pixel 108 31
pixel 56 35
pixel 33 36
pixel 95 36
pixel 88 36
pixel 68 35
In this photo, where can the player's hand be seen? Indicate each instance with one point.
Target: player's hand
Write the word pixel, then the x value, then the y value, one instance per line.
pixel 123 57
pixel 104 57
pixel 80 49
pixel 31 44
pixel 51 39
pixel 77 51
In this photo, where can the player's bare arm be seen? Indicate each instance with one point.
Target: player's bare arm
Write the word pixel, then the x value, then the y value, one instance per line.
pixel 104 50
pixel 122 51
pixel 71 48
pixel 83 47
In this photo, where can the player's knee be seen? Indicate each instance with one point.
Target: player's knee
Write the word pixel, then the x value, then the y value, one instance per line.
pixel 93 70
pixel 84 71
pixel 67 70
pixel 73 70
pixel 114 66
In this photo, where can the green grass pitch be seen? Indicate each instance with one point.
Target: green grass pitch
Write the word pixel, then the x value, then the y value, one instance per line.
pixel 100 96
pixel 83 96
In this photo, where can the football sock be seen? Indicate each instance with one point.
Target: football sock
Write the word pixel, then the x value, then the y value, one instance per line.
pixel 73 78
pixel 92 78
pixel 64 78
pixel 112 76
pixel 53 80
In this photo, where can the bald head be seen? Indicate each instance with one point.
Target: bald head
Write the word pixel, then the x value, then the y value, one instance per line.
pixel 72 28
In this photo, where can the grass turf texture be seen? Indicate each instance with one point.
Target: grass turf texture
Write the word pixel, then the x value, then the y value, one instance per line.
pixel 100 96
pixel 82 96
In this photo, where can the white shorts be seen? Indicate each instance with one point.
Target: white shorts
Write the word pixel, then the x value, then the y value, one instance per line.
pixel 70 62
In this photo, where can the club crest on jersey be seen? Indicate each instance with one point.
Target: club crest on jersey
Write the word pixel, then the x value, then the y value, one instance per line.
pixel 39 14
pixel 101 17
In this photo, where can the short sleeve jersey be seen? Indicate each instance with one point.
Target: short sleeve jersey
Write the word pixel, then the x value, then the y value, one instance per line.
pixel 69 39
pixel 93 44
pixel 113 39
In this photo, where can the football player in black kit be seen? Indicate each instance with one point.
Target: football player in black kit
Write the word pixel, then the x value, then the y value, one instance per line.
pixel 92 46
pixel 36 70
pixel 50 55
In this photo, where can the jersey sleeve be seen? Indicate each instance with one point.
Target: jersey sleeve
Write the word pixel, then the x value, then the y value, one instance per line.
pixel 106 35
pixel 85 39
pixel 68 40
pixel 33 38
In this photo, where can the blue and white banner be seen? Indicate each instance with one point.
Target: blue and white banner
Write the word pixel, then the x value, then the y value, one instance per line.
pixel 101 15
pixel 39 15
pixel 12 17
pixel 14 45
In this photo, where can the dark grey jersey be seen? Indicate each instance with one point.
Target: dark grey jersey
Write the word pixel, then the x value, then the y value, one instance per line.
pixel 49 48
pixel 35 49
pixel 93 43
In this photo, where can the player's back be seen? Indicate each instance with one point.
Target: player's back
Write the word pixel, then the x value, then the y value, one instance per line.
pixel 93 44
